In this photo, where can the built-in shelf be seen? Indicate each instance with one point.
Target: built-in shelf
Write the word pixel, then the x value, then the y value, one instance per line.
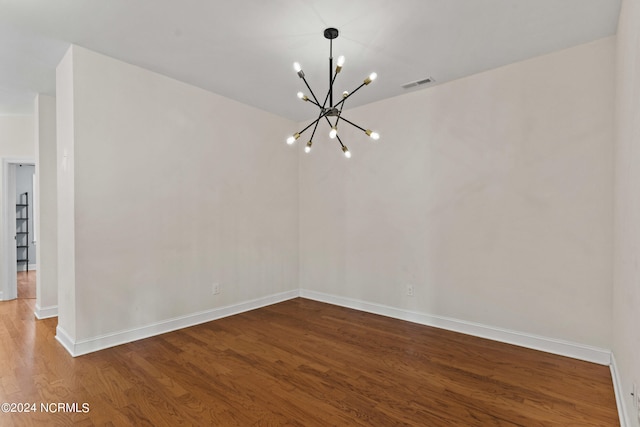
pixel 22 237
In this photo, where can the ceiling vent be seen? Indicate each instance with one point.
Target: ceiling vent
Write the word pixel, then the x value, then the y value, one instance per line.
pixel 418 83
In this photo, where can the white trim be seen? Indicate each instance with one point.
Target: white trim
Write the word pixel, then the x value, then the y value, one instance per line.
pixel 620 394
pixel 46 312
pixel 78 348
pixel 550 345
pixel 64 339
pixel 9 282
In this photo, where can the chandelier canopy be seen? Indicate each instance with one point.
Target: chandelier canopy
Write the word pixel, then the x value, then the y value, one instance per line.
pixel 332 110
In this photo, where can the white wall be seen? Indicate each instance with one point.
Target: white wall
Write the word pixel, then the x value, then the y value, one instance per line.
pixel 626 290
pixel 16 136
pixel 47 207
pixel 174 188
pixel 492 195
pixel 65 176
pixel 16 142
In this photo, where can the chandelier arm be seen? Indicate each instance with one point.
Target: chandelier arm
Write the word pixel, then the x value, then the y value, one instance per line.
pixel 310 90
pixel 353 124
pixel 314 103
pixel 326 98
pixel 315 127
pixel 331 82
pixel 335 76
pixel 315 122
pixel 337 136
pixel 340 141
pixel 354 91
pixel 310 124
pixel 339 114
pixel 329 92
pixel 337 120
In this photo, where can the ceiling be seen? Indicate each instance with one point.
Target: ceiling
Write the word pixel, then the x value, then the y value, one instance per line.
pixel 244 49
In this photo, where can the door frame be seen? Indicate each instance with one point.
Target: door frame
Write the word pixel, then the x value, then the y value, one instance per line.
pixel 9 286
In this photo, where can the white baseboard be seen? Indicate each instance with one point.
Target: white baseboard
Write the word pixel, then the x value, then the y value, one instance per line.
pixel 46 312
pixel 78 348
pixel 620 394
pixel 32 267
pixel 550 345
pixel 63 338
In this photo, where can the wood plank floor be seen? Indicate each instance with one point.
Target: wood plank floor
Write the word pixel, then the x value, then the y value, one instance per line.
pixel 297 363
pixel 27 284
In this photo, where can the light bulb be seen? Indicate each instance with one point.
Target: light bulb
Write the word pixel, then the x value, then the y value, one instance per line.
pixel 297 67
pixel 371 78
pixel 333 132
pixel 300 95
pixel 293 138
pixel 307 148
pixel 372 135
pixel 346 152
pixel 345 94
pixel 340 64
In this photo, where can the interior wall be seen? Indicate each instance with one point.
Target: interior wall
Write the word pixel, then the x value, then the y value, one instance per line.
pixel 491 195
pixel 626 289
pixel 16 142
pixel 65 183
pixel 47 207
pixel 174 189
pixel 16 136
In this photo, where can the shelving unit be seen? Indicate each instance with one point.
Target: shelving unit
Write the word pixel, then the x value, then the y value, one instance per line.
pixel 22 229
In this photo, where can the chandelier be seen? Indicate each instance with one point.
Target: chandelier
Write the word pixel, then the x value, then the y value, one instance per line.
pixel 331 111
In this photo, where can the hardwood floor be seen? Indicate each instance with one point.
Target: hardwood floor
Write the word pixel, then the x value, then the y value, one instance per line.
pixel 27 284
pixel 298 363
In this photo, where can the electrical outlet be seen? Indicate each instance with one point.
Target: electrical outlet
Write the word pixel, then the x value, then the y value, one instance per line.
pixel 216 288
pixel 410 290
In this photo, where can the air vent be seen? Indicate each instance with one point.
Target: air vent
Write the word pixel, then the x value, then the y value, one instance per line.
pixel 418 83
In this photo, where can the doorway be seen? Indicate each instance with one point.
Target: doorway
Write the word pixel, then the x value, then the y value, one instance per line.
pixel 18 229
pixel 25 231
